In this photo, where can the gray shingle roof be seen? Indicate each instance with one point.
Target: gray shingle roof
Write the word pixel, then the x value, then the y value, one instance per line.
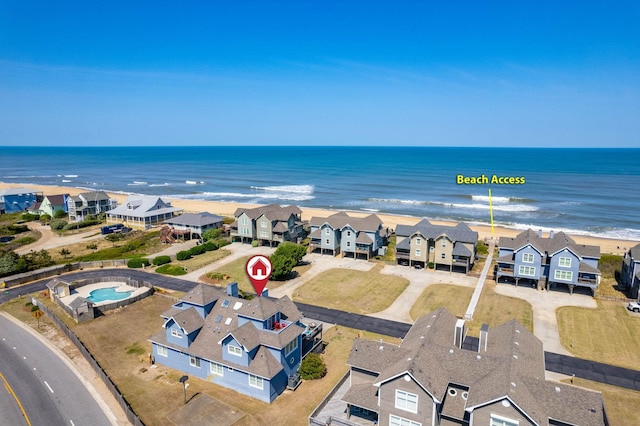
pixel 195 219
pixel 143 206
pixel 54 282
pixel 341 219
pixel 273 212
pixel 459 232
pixel 549 246
pixel 635 252
pixel 189 320
pixel 512 367
pixel 57 200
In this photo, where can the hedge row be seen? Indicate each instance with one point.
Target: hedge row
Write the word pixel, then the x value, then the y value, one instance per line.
pixel 138 262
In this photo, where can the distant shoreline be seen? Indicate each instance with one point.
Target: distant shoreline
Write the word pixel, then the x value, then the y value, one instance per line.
pixel 607 245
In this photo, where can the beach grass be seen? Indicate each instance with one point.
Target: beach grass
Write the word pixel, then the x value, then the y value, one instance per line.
pixel 608 334
pixel 495 309
pixel 360 292
pixel 202 260
pixel 453 297
pixel 621 404
pixel 135 244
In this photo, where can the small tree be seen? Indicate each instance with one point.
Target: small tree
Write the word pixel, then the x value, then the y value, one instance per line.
pixel 211 234
pixel 285 258
pixel 312 367
pixel 59 214
pixel 65 253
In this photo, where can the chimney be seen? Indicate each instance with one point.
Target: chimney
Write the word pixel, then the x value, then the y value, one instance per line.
pixel 232 289
pixel 484 337
pixel 539 233
pixel 460 333
pixel 551 235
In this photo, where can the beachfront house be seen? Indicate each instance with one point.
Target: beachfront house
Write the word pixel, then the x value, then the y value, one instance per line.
pixel 546 262
pixel 142 212
pixel 341 234
pixel 269 225
pixel 88 204
pixel 192 225
pixel 630 274
pixel 437 376
pixel 14 200
pixel 251 346
pixel 424 244
pixel 50 205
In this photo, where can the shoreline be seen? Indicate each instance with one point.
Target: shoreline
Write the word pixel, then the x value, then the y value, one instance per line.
pixel 607 245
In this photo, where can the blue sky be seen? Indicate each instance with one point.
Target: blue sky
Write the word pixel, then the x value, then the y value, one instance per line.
pixel 448 73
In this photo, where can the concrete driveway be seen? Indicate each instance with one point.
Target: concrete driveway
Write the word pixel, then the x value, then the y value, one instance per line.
pixel 545 304
pixel 50 239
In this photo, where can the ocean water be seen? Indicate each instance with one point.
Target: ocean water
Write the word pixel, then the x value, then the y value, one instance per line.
pixel 588 191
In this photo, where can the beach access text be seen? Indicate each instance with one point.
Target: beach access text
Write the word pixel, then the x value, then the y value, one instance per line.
pixel 484 180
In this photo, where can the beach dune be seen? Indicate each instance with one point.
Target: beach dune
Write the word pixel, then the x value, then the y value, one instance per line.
pixel 485 232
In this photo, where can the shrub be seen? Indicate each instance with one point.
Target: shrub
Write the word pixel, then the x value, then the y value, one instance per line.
pixel 29 217
pixel 83 224
pixel 59 214
pixel 432 265
pixel 222 243
pixel 196 250
pixel 17 229
pixel 183 255
pixel 210 246
pixel 255 243
pixel 57 224
pixel 138 262
pixel 312 367
pixel 161 260
pixel 92 246
pixel 171 270
pixel 25 240
pixel 211 234
pixel 45 218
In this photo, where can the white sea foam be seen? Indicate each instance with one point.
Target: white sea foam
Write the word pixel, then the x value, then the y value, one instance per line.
pixel 66 180
pixel 500 207
pixel 70 176
pixel 160 184
pixel 194 182
pixel 394 201
pixel 485 198
pixel 137 183
pixel 232 196
pixel 299 189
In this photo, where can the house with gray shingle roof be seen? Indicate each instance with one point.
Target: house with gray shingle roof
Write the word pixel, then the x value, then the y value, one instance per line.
pixel 251 346
pixel 142 212
pixel 194 224
pixel 546 262
pixel 89 203
pixel 270 224
pixel 341 234
pixel 431 378
pixel 630 274
pixel 442 246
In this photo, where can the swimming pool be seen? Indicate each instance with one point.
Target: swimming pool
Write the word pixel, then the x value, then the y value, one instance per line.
pixel 109 293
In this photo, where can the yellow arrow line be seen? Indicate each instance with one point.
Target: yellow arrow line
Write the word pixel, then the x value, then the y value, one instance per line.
pixel 10 390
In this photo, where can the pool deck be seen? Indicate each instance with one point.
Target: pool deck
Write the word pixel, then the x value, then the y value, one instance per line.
pixel 86 289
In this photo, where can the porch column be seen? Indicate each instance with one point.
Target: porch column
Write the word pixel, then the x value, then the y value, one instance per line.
pixel 517 279
pixel 571 287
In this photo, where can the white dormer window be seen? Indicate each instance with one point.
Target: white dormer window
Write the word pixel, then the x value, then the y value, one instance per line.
pixel 176 333
pixel 418 241
pixel 406 401
pixel 234 350
pixel 527 257
pixel 263 224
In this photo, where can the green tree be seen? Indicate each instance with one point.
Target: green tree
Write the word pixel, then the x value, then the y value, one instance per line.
pixel 65 253
pixel 8 262
pixel 312 367
pixel 59 214
pixel 211 234
pixel 285 258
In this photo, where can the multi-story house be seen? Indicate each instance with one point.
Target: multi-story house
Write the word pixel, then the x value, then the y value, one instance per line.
pixel 251 346
pixel 51 204
pixel 269 225
pixel 142 212
pixel 438 246
pixel 341 234
pixel 89 203
pixel 14 200
pixel 547 262
pixel 630 274
pixel 435 377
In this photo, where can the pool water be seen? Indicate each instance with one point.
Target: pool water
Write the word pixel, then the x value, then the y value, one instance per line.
pixel 110 293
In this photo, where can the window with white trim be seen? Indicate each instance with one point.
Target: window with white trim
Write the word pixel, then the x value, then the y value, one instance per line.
pixel 406 401
pixel 176 333
pixel 162 351
pixel 348 233
pixel 443 255
pixel 418 252
pixel 291 346
pixel 256 382
pixel 327 241
pixel 563 275
pixel 327 231
pixel 263 224
pixel 444 243
pixel 527 257
pixel 400 421
pixel 564 262
pixel 431 249
pixel 502 421
pixel 244 221
pixel 194 362
pixel 529 271
pixel 234 350
pixel 264 233
pixel 348 243
pixel 418 241
pixel 216 369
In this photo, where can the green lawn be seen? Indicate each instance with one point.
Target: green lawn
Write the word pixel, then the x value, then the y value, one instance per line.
pixel 352 291
pixel 453 297
pixel 607 334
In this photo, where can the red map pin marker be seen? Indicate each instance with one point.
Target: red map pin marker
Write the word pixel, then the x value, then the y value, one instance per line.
pixel 259 270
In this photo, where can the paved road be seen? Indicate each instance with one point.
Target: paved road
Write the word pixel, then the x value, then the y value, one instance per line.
pixel 48 390
pixel 559 363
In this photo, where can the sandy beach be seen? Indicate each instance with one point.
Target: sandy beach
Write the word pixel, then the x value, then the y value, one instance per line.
pixel 607 245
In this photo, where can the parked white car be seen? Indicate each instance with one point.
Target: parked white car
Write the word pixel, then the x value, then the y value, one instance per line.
pixel 634 306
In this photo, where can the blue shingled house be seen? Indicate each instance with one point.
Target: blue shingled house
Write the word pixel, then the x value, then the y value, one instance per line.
pixel 251 346
pixel 14 200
